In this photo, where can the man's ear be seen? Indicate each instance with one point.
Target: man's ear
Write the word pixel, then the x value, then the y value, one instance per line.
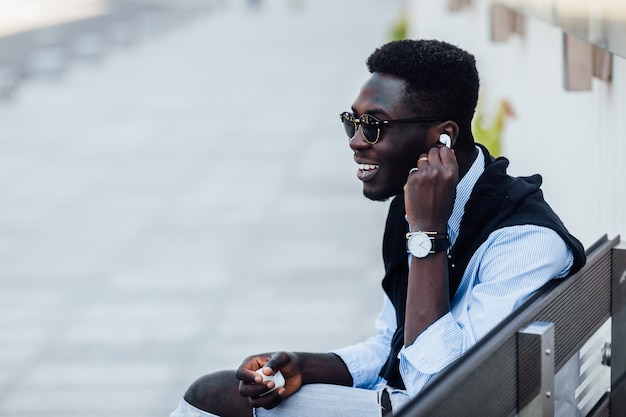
pixel 451 129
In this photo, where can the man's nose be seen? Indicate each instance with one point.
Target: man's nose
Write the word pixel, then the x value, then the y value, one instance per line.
pixel 358 141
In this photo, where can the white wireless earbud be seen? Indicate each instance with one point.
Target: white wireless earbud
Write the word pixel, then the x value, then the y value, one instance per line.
pixel 445 140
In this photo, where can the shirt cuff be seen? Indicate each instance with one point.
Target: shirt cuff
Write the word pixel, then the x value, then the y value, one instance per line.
pixel 438 346
pixel 363 364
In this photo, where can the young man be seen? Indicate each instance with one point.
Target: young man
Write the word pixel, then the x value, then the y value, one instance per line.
pixel 464 245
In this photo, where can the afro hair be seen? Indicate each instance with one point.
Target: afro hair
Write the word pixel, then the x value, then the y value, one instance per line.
pixel 441 78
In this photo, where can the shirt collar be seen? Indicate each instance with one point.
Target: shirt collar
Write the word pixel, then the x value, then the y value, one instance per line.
pixel 463 192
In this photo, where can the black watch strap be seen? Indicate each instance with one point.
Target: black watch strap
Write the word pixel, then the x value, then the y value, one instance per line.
pixel 440 241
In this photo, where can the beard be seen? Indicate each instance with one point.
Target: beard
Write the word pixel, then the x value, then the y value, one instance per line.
pixel 382 194
pixel 389 188
pixel 390 181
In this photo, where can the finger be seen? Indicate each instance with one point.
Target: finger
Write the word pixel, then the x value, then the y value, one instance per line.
pixel 434 155
pixel 268 401
pixel 253 390
pixel 441 156
pixel 248 376
pixel 447 156
pixel 278 361
pixel 247 370
pixel 423 159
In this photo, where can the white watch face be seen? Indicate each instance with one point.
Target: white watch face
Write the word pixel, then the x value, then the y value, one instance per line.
pixel 420 245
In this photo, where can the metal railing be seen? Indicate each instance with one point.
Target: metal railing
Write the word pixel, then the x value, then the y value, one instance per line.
pixel 562 353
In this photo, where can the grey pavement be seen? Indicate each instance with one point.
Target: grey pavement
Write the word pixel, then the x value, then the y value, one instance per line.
pixel 182 203
pixel 45 37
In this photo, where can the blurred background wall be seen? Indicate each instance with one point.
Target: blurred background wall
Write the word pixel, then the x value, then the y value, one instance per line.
pixel 558 119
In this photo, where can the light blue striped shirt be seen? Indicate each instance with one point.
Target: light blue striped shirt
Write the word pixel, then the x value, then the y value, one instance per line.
pixel 504 272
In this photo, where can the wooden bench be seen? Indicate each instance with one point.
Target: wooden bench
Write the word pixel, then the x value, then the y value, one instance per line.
pixel 567 342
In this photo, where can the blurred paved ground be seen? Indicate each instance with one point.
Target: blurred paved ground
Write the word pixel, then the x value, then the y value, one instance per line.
pixel 183 202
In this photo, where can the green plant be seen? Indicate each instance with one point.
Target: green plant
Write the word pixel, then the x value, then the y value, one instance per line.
pixel 400 28
pixel 488 130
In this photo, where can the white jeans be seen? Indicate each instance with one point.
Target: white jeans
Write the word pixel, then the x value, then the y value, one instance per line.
pixel 319 400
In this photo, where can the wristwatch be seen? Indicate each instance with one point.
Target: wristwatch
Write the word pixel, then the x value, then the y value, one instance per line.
pixel 421 244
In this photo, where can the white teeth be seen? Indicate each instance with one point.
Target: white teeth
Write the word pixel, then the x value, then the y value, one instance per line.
pixel 367 167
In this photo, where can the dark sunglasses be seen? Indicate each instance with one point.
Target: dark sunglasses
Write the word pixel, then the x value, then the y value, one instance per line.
pixel 371 126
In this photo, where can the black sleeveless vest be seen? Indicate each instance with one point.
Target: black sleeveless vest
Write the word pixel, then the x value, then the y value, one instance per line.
pixel 497 200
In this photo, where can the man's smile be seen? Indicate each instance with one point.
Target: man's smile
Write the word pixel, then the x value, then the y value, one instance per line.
pixel 366 171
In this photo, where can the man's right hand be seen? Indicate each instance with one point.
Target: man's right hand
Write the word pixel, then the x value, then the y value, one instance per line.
pixel 251 384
